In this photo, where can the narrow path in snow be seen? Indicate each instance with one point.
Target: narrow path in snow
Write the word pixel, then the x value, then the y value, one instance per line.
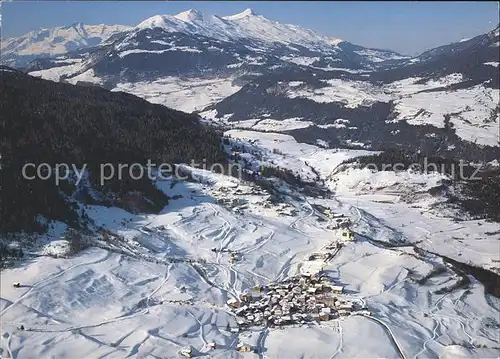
pixel 339 348
pixel 261 342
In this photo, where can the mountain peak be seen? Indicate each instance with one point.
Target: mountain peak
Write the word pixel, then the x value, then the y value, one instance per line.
pixel 189 15
pixel 241 15
pixel 153 21
pixel 74 25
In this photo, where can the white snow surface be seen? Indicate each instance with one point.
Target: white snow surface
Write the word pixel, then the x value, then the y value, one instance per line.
pixel 493 63
pixel 246 24
pixel 129 299
pixel 284 151
pixel 473 110
pixel 351 93
pixel 186 95
pixel 59 40
pixel 271 125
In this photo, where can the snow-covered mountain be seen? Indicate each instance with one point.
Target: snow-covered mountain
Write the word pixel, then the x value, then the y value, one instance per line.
pixel 203 263
pixel 245 25
pixel 18 51
pixel 241 34
pixel 245 69
pixel 476 59
pixel 254 27
pixel 444 101
pixel 410 279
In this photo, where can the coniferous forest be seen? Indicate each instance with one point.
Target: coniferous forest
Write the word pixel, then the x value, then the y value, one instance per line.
pixel 48 122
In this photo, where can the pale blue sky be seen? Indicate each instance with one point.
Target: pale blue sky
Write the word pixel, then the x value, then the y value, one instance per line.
pixel 408 27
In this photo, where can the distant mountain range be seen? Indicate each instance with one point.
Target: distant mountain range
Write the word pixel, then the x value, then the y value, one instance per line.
pixel 18 51
pixel 250 72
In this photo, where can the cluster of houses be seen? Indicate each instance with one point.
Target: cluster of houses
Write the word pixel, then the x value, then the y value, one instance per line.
pixel 233 255
pixel 298 300
pixel 339 220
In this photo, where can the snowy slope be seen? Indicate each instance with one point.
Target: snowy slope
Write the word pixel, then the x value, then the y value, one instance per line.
pixel 246 25
pixel 197 45
pixel 18 51
pixel 130 298
pixel 190 95
pixel 245 67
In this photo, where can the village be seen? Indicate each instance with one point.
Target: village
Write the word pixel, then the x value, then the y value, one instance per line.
pixel 307 298
pixel 297 300
pixel 310 297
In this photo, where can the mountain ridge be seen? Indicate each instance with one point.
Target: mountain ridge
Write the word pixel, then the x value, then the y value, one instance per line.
pixel 50 42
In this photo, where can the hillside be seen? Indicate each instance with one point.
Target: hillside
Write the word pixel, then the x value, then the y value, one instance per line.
pixel 246 71
pixel 48 122
pixel 306 252
pixel 19 51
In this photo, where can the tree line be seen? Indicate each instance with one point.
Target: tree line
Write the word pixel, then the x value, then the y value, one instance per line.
pixel 48 122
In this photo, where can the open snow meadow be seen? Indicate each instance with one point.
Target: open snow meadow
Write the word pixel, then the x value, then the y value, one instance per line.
pixel 158 285
pixel 179 183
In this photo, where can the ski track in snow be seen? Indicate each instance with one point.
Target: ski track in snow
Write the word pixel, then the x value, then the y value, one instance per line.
pixel 52 277
pixel 255 235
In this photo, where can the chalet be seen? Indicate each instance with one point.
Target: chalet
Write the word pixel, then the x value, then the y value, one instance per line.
pixel 233 303
pixel 343 312
pixel 345 306
pixel 255 296
pixel 187 352
pixel 243 347
pixel 347 235
pixel 245 297
pixel 328 300
pixel 255 305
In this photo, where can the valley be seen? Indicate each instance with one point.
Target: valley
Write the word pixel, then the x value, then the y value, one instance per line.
pixel 299 245
pixel 160 276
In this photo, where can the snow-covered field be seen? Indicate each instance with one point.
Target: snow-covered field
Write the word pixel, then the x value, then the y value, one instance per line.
pixel 270 125
pixel 185 95
pixel 55 73
pixel 350 93
pixel 473 111
pixel 158 286
pixel 284 151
